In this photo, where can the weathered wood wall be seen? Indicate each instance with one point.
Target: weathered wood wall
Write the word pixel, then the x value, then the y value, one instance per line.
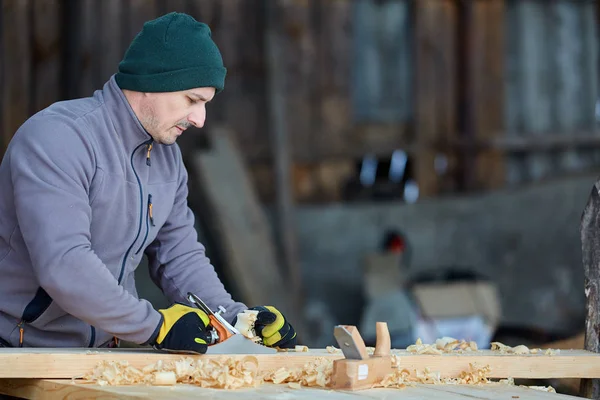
pixel 476 85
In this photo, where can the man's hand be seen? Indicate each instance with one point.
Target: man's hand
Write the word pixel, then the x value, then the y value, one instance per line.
pixel 183 329
pixel 273 328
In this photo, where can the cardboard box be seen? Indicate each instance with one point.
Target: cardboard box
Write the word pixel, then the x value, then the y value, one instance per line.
pixel 459 299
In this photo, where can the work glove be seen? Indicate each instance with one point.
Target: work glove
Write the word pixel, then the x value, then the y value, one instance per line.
pixel 273 328
pixel 183 329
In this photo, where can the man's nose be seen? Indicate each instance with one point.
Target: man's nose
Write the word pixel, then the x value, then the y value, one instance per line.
pixel 197 117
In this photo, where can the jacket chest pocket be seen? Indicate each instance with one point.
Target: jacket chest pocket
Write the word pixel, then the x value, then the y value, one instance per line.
pixel 158 203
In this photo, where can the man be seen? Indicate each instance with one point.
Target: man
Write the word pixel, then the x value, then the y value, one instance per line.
pixel 90 185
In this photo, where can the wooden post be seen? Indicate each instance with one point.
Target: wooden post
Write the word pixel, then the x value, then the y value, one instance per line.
pixel 278 127
pixel 590 248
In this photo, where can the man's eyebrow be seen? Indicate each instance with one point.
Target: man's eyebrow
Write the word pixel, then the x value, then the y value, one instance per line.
pixel 200 97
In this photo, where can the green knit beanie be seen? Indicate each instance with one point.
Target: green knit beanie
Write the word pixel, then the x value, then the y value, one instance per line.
pixel 172 53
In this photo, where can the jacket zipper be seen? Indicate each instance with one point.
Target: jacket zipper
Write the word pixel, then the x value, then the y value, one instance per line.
pixel 149 144
pixel 148 220
pixel 34 309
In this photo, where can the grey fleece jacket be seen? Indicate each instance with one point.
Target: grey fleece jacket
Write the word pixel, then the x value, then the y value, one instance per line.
pixel 83 196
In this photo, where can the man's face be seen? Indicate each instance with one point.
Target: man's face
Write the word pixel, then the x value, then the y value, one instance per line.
pixel 166 115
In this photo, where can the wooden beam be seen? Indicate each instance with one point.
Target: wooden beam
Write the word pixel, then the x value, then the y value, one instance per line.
pixel 52 363
pixel 590 248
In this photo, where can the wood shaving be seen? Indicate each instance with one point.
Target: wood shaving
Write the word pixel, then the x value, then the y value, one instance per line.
pixel 224 373
pixel 301 349
pixel 404 377
pixel 245 324
pixel 511 381
pixel 549 389
pixel 316 373
pixel 333 349
pixel 442 345
pixel 520 349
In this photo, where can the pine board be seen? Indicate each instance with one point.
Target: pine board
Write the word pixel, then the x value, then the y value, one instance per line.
pixel 62 389
pixel 67 363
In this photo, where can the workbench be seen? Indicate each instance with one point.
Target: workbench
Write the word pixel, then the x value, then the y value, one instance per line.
pixel 47 373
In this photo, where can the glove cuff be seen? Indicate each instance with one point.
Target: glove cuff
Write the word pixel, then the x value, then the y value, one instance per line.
pixel 152 340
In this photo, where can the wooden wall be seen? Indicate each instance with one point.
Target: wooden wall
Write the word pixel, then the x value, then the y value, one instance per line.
pixel 435 78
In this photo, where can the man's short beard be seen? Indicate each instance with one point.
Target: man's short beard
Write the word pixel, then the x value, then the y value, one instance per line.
pixel 149 121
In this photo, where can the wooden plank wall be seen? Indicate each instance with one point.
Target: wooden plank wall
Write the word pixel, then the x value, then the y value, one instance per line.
pixel 551 84
pixel 440 80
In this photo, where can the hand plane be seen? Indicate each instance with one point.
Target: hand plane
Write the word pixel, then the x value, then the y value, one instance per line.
pixel 358 370
pixel 224 337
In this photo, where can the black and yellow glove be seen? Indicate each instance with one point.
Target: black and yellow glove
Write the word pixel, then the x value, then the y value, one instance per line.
pixel 273 328
pixel 183 329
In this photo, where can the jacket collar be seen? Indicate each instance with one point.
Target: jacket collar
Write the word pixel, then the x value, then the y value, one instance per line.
pixel 126 124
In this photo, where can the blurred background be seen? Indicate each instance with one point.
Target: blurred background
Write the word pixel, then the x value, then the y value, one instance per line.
pixel 421 162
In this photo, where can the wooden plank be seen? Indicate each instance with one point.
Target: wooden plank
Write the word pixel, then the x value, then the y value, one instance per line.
pixel 16 60
pixel 435 59
pixel 139 12
pixel 81 67
pixel 61 389
pixel 280 147
pixel 590 248
pixel 47 53
pixel 484 88
pixel 242 105
pixel 299 27
pixel 112 46
pixel 69 363
pixel 239 222
pixel 333 109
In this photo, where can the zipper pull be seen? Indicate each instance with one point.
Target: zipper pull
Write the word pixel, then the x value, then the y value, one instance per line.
pixel 21 333
pixel 148 163
pixel 150 209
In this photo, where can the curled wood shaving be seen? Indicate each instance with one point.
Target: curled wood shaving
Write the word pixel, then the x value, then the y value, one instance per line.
pixel 511 381
pixel 404 377
pixel 520 349
pixel 542 388
pixel 301 349
pixel 316 373
pixel 442 345
pixel 333 349
pixel 245 324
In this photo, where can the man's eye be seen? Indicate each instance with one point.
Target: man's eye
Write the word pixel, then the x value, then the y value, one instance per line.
pixel 192 101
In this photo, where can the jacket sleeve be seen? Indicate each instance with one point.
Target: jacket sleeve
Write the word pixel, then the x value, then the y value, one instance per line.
pixel 52 167
pixel 178 263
